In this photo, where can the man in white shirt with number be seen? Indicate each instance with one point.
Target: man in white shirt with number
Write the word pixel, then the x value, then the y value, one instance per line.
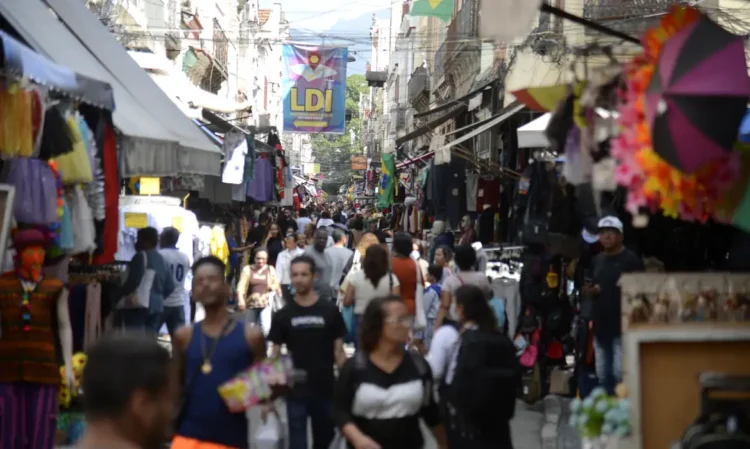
pixel 178 265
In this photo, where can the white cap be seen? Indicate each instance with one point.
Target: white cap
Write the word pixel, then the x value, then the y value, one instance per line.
pixel 611 222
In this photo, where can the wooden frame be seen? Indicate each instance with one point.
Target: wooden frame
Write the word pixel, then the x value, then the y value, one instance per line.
pixel 7 201
pixel 638 335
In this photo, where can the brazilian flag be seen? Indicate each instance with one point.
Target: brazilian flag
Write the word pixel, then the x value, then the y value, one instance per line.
pixel 442 9
pixel 387 181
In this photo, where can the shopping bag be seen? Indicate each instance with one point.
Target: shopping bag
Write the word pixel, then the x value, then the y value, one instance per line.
pixel 338 442
pixel 269 434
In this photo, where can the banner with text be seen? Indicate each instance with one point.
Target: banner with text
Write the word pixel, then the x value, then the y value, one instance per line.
pixel 314 88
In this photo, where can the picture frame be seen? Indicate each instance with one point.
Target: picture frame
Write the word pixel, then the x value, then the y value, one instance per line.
pixel 7 200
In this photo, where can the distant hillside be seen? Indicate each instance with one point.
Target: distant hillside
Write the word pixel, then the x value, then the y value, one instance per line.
pixel 351 32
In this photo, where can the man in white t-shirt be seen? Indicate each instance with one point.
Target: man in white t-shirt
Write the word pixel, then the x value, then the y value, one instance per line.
pixel 178 264
pixel 303 220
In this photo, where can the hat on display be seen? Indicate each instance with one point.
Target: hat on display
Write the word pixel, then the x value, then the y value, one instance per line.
pixel 611 222
pixel 26 238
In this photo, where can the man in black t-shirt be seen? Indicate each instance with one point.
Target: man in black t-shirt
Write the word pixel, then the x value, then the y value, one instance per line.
pixel 313 331
pixel 608 266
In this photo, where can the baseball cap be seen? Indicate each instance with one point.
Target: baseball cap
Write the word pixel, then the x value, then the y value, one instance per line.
pixel 611 222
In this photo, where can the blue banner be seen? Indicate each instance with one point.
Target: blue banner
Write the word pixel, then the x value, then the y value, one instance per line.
pixel 314 88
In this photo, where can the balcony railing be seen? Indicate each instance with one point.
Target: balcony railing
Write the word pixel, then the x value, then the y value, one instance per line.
pixel 439 69
pixel 463 29
pixel 398 117
pixel 632 17
pixel 418 84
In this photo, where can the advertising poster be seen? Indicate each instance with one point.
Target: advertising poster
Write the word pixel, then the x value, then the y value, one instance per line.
pixel 314 88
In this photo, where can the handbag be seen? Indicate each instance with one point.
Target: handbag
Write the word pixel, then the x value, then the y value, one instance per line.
pixel 270 433
pixel 420 318
pixel 141 297
pixel 190 385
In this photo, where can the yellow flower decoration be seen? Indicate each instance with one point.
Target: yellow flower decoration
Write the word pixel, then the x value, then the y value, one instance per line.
pixel 64 397
pixel 78 362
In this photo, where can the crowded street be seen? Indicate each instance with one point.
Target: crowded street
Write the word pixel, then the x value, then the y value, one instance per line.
pixel 415 224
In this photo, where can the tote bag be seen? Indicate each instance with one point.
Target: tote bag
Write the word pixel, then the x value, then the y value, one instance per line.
pixel 420 318
pixel 141 297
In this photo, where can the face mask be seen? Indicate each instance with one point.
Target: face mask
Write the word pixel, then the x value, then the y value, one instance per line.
pixel 415 255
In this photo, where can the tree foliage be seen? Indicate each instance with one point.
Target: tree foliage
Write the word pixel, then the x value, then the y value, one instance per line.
pixel 333 152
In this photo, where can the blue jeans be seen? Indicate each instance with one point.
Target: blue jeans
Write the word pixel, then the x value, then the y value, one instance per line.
pixel 173 317
pixel 318 409
pixel 608 361
pixel 355 329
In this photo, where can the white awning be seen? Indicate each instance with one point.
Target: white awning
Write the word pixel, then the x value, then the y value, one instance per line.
pixel 487 126
pixel 197 154
pixel 531 135
pixel 188 97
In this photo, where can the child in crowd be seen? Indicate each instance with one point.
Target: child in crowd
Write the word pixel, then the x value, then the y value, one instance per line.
pixel 432 301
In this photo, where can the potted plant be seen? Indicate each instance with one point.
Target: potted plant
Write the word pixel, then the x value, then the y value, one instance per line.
pixel 600 419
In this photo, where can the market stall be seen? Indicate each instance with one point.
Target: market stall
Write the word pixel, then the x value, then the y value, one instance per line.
pixel 60 174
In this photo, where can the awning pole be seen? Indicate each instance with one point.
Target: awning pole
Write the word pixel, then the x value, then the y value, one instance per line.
pixel 588 23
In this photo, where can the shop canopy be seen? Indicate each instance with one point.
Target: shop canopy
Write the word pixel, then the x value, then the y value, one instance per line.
pixel 188 97
pixel 23 61
pixel 532 134
pixel 504 115
pixel 160 139
pixel 431 125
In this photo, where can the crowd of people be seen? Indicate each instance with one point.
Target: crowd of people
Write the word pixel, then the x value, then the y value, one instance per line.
pixel 428 346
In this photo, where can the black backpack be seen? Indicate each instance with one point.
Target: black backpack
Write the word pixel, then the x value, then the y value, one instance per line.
pixel 486 379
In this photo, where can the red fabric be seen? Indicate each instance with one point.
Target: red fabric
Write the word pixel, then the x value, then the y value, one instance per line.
pixel 111 198
pixel 488 193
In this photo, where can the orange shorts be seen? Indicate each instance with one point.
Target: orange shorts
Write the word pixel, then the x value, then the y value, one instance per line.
pixel 189 443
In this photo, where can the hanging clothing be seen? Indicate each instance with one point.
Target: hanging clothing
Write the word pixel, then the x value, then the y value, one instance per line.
pixel 75 167
pixel 249 158
pixel 261 188
pixel 36 191
pixel 82 218
pixel 219 247
pixel 472 187
pixel 16 129
pixel 35 428
pixel 234 165
pixel 106 253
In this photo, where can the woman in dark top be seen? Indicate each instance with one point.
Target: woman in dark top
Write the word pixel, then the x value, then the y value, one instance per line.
pixel 274 242
pixel 383 391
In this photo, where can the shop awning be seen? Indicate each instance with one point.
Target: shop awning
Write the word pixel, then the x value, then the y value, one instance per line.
pixel 148 148
pixel 422 157
pixel 421 130
pixel 197 154
pixel 20 59
pixel 531 135
pixel 189 97
pixel 462 100
pixel 504 115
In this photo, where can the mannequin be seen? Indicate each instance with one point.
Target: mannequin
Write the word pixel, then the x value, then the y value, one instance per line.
pixel 29 372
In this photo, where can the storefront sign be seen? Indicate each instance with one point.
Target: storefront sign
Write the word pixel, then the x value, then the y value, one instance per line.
pixel 136 220
pixel 314 88
pixel 359 163
pixel 149 186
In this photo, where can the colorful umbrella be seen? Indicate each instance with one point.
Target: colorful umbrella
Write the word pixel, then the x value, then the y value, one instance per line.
pixel 698 95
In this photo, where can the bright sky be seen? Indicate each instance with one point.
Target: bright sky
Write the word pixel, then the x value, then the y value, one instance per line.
pixel 320 15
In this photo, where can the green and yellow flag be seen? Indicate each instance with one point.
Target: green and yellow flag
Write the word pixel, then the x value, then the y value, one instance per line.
pixel 387 180
pixel 442 9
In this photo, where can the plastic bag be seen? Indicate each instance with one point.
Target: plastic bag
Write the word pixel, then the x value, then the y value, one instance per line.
pixel 269 434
